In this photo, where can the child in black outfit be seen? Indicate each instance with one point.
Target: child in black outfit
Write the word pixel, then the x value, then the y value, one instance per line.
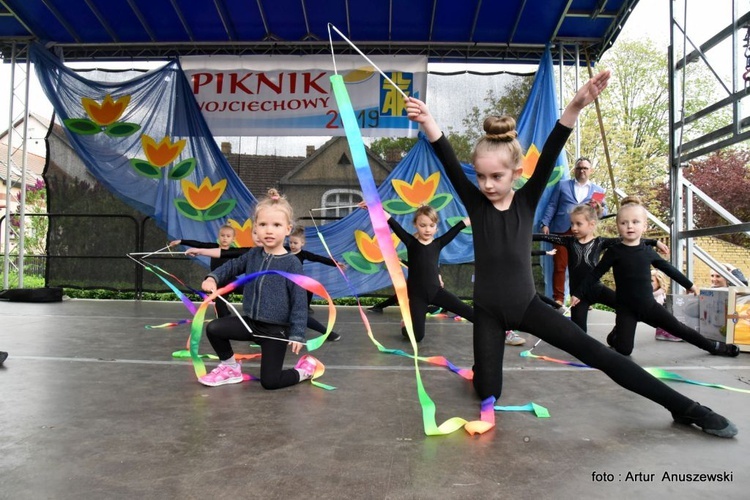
pixel 423 282
pixel 226 240
pixel 297 241
pixel 631 262
pixel 504 293
pixel 584 250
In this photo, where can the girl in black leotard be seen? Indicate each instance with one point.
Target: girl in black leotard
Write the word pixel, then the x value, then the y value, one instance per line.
pixel 504 293
pixel 583 254
pixel 631 262
pixel 423 282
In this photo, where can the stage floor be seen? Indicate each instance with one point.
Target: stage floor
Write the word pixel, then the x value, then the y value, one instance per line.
pixel 93 405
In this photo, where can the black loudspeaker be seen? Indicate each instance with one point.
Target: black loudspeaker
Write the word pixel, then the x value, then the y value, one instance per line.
pixel 51 294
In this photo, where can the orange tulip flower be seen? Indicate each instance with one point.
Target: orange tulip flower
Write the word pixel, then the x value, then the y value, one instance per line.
pixel 203 196
pixel 108 112
pixel 368 246
pixel 419 192
pixel 164 153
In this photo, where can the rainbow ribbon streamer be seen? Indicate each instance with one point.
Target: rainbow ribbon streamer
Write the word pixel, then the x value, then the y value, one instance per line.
pixel 538 410
pixel 665 375
pixel 305 282
pixel 170 325
pixel 382 234
pixel 656 372
pixel 528 354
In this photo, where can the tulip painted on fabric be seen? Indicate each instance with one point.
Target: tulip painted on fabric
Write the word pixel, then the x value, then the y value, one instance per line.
pixel 163 153
pixel 243 233
pixel 420 191
pixel 203 196
pixel 106 113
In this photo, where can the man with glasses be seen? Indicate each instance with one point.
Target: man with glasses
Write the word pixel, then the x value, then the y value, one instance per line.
pixel 556 218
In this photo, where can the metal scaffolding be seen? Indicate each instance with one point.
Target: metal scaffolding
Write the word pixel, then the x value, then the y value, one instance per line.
pixel 682 53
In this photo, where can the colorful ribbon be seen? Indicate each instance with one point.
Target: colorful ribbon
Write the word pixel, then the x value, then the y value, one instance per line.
pixel 305 282
pixel 392 263
pixel 659 373
pixel 665 375
pixel 528 354
pixel 538 410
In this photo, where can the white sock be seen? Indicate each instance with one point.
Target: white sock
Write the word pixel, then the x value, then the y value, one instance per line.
pixel 303 375
pixel 231 362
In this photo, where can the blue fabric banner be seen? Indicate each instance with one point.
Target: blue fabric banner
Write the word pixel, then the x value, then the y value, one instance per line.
pixel 146 140
pixel 534 125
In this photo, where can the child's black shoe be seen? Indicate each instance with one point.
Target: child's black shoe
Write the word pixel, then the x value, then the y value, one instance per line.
pixel 709 421
pixel 722 349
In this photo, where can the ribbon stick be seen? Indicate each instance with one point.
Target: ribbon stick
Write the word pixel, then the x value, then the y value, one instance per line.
pixel 393 265
pixel 665 375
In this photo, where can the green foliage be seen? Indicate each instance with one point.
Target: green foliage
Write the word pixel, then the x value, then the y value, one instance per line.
pixel 635 116
pixel 35 227
pixel 382 146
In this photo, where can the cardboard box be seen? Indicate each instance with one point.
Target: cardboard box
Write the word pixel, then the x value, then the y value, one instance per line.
pixel 686 308
pixel 713 313
pixel 738 324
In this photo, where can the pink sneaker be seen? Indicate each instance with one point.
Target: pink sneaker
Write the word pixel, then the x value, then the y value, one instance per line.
pixel 222 375
pixel 306 366
pixel 662 334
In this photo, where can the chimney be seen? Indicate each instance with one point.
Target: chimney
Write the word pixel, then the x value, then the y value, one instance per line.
pixel 226 148
pixel 310 151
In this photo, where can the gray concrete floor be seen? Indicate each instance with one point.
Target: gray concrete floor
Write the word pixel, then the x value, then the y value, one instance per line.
pixel 93 406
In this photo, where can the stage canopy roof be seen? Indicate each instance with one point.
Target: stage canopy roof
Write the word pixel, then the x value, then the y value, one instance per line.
pixel 465 31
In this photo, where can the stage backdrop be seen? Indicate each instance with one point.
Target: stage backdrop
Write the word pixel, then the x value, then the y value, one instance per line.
pixel 287 95
pixel 145 139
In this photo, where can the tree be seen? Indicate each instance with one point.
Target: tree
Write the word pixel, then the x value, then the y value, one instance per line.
pixel 35 228
pixel 635 112
pixel 725 177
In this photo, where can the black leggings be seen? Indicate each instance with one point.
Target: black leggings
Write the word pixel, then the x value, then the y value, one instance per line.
pixel 547 324
pixel 443 298
pixel 599 294
pixel 220 331
pixel 657 316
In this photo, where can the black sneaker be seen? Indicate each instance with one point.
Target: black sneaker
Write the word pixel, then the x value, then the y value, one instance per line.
pixel 375 309
pixel 612 338
pixel 3 357
pixel 333 337
pixel 709 421
pixel 722 349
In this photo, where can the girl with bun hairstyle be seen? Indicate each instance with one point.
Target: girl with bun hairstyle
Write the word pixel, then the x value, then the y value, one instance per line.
pixel 504 294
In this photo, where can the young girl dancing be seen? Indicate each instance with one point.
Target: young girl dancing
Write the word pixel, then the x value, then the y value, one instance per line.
pixel 631 263
pixel 274 308
pixel 226 239
pixel 423 283
pixel 504 293
pixel 296 242
pixel 584 250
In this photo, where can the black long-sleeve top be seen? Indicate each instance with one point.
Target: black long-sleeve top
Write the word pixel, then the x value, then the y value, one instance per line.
pixel 504 282
pixel 304 255
pixel 582 257
pixel 424 259
pixel 215 261
pixel 631 266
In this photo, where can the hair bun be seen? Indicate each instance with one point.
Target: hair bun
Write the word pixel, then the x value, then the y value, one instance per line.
pixel 500 128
